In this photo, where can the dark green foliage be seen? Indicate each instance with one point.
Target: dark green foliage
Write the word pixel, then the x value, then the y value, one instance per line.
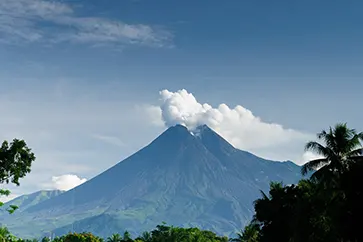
pixel 15 162
pixel 325 208
pixel 11 209
pixel 162 233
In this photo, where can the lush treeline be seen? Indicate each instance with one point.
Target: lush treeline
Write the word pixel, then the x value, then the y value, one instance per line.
pixel 159 234
pixel 327 206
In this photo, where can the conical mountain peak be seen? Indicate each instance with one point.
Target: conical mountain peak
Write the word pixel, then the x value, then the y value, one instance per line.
pixel 174 135
pixel 177 130
pixel 182 177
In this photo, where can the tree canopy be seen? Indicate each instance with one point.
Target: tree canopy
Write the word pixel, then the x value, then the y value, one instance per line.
pixel 326 207
pixel 16 159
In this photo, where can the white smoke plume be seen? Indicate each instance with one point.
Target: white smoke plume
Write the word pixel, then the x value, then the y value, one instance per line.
pixel 66 182
pixel 237 125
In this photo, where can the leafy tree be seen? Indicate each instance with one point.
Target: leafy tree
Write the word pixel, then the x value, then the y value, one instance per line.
pixel 326 207
pixel 272 210
pixel 340 149
pixel 299 213
pixel 170 233
pixel 80 237
pixel 346 210
pixel 16 159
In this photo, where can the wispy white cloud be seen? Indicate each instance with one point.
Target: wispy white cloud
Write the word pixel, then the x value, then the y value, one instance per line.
pixel 110 140
pixel 54 22
pixel 65 182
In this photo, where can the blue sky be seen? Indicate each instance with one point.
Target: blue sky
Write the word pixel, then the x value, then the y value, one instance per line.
pixel 79 78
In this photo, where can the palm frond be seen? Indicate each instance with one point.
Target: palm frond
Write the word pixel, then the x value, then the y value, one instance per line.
pixel 348 145
pixel 328 139
pixel 356 152
pixel 313 165
pixel 319 149
pixel 276 185
pixel 322 134
pixel 264 196
pixel 345 138
pixel 319 174
pixel 360 135
pixel 261 200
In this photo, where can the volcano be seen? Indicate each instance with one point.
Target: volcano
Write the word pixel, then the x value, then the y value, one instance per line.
pixel 181 178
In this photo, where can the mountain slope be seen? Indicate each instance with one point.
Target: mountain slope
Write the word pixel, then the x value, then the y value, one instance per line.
pixel 180 178
pixel 25 201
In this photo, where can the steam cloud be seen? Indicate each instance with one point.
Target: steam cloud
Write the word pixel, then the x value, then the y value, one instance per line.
pixel 66 182
pixel 237 125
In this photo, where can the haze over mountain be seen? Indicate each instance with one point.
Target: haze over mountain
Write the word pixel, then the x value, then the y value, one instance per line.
pixel 26 201
pixel 182 177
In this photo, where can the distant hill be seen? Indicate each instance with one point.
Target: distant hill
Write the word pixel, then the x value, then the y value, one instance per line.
pixel 182 178
pixel 26 201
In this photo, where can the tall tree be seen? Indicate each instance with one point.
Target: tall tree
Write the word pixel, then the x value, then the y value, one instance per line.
pixel 299 213
pixel 341 147
pixel 273 211
pixel 16 159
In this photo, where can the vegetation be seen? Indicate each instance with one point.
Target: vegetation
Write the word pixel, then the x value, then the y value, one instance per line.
pixel 162 233
pixel 327 206
pixel 324 207
pixel 15 162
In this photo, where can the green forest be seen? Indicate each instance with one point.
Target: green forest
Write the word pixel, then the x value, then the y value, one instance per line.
pixel 326 206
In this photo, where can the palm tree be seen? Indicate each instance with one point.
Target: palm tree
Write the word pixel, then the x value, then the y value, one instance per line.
pixel 4 234
pixel 114 238
pixel 126 237
pixel 341 147
pixel 145 237
pixel 249 234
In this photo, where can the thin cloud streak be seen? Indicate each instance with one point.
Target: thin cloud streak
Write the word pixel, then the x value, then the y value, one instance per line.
pixel 56 22
pixel 110 140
